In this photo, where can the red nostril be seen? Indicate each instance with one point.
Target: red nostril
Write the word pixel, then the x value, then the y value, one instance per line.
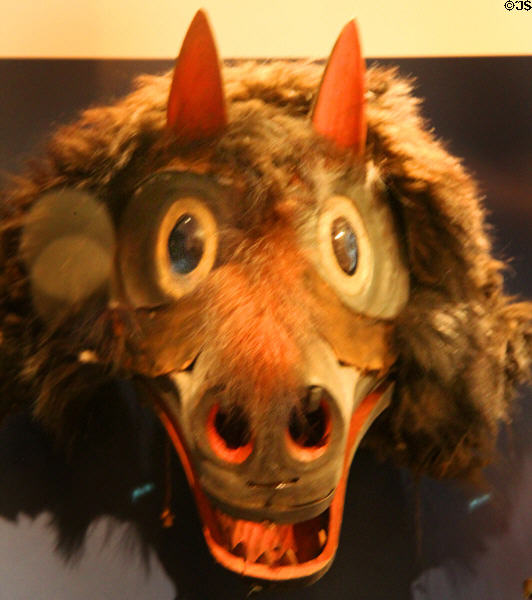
pixel 228 434
pixel 309 427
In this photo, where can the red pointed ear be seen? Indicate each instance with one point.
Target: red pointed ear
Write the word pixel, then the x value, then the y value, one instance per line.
pixel 339 112
pixel 196 105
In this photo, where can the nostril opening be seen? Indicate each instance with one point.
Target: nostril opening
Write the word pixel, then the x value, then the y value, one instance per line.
pixel 309 426
pixel 229 433
pixel 232 426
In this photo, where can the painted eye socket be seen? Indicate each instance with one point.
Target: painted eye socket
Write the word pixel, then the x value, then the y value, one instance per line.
pixel 346 256
pixel 186 244
pixel 168 237
pixel 358 251
pixel 344 244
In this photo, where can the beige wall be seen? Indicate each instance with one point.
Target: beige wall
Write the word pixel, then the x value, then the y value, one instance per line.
pixel 154 28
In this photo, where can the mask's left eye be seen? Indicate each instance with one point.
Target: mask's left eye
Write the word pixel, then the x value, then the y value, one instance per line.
pixel 168 240
pixel 186 244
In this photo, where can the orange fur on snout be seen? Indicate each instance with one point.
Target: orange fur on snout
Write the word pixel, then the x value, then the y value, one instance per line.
pixel 258 316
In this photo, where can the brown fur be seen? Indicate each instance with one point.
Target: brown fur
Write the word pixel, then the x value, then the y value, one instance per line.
pixel 463 345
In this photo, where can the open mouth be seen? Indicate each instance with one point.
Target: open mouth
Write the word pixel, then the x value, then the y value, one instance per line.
pixel 268 550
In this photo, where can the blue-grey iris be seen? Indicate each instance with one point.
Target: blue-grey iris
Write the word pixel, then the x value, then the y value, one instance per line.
pixel 186 244
pixel 344 242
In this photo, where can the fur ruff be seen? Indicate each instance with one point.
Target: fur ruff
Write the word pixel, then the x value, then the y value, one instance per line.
pixel 463 344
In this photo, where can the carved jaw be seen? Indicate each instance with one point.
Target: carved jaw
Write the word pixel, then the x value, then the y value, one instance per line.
pixel 273 513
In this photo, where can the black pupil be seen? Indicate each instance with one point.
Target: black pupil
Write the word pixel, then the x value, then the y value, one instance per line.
pixel 344 242
pixel 186 244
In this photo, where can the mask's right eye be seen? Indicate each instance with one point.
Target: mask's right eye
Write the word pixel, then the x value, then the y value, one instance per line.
pixel 169 239
pixel 345 246
pixel 346 254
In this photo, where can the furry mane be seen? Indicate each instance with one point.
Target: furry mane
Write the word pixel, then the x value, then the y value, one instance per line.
pixel 463 344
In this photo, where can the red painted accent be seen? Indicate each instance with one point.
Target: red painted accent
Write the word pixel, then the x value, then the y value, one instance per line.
pixel 218 445
pixel 196 105
pixel 359 419
pixel 339 112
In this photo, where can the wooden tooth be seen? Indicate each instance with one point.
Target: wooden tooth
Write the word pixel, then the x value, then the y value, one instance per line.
pixel 290 556
pixel 237 535
pixel 266 558
pixel 240 550
pixel 322 537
